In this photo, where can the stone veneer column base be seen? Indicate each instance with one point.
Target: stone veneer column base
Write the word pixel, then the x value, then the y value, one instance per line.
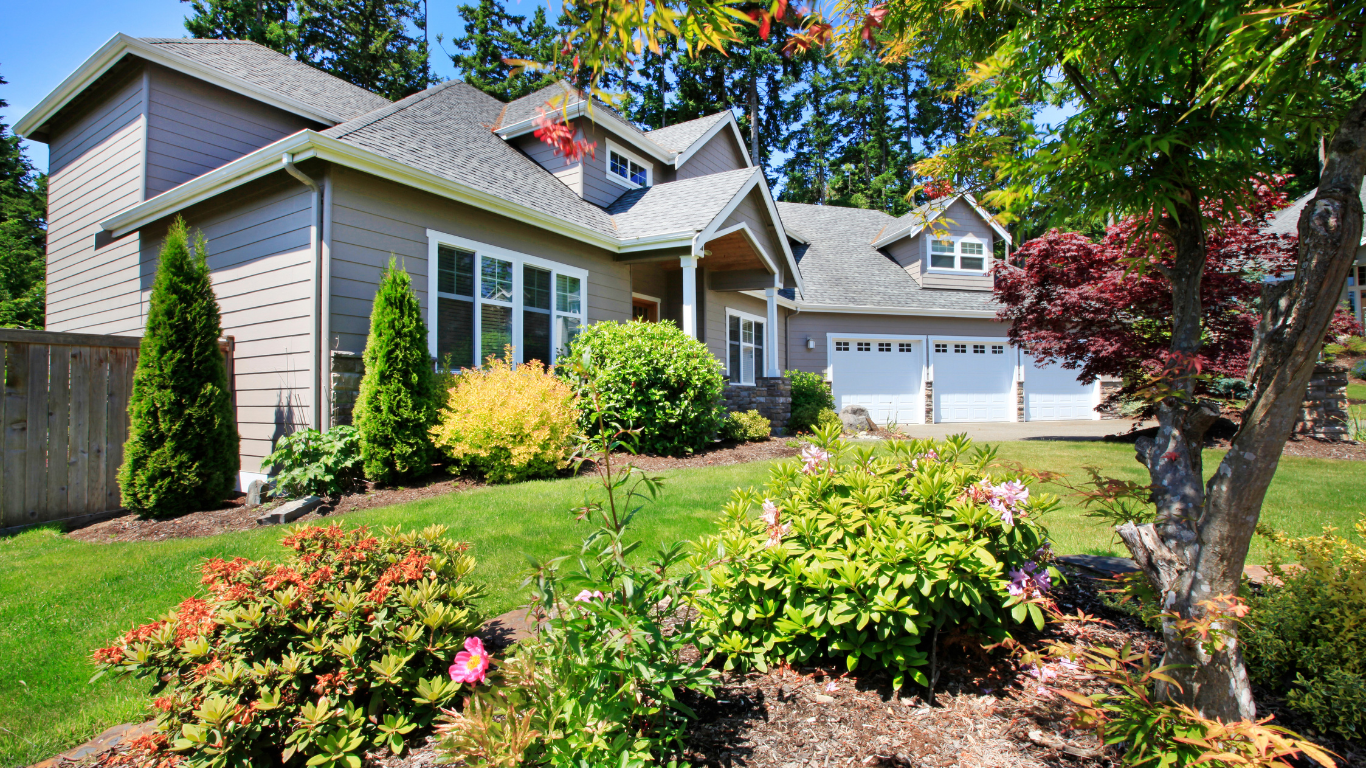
pixel 771 396
pixel 1324 414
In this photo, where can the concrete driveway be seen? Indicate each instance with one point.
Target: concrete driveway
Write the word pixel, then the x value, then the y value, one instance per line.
pixel 996 432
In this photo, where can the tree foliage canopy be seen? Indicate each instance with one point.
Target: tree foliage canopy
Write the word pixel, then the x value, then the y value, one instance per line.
pixel 23 235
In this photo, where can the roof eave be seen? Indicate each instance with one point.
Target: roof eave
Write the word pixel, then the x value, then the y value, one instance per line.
pixel 863 309
pixel 120 45
pixel 728 119
pixel 580 109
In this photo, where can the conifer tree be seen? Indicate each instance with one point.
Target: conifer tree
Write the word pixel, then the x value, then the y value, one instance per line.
pixel 492 37
pixel 396 408
pixel 23 235
pixel 182 449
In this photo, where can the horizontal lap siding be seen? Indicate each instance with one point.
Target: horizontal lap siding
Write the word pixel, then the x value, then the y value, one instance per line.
pixel 960 219
pixel 195 127
pixel 372 219
pixel 95 162
pixel 721 153
pixel 816 325
pixel 908 252
pixel 717 302
pixel 597 188
pixel 544 155
pixel 261 262
pixel 754 211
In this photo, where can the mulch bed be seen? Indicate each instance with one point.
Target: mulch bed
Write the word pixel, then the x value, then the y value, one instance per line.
pixel 1302 446
pixel 719 454
pixel 988 713
pixel 235 515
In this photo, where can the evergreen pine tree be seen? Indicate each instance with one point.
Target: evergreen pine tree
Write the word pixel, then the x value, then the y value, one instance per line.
pixel 182 449
pixel 23 235
pixel 396 408
pixel 272 23
pixel 492 35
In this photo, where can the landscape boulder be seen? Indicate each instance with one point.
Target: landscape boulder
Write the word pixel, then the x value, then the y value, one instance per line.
pixel 257 492
pixel 856 419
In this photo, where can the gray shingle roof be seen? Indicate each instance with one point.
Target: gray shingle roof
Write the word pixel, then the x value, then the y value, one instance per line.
pixel 446 130
pixel 678 206
pixel 562 94
pixel 841 267
pixel 273 71
pixel 913 220
pixel 677 138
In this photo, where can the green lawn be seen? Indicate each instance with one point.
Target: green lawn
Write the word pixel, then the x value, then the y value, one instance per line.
pixel 61 598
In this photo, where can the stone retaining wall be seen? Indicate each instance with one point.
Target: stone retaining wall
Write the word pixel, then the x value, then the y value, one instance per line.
pixel 770 396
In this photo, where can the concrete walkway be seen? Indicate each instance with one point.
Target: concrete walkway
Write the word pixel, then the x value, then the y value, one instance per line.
pixel 1025 430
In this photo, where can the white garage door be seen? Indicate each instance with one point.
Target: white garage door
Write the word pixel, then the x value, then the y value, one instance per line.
pixel 972 380
pixel 883 375
pixel 1052 393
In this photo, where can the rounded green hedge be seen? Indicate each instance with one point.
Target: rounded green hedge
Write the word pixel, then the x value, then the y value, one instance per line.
pixel 655 378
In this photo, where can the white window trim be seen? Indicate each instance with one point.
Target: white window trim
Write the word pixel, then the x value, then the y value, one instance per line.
pixel 957 254
pixel 612 146
pixel 436 239
pixel 753 318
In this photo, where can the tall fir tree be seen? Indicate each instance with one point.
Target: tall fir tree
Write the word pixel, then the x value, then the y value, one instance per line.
pixel 396 408
pixel 182 449
pixel 379 45
pixel 492 38
pixel 23 235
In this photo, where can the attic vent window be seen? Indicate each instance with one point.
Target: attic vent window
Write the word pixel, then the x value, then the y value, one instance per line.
pixel 626 169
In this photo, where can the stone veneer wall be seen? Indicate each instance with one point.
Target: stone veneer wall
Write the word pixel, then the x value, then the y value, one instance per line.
pixel 929 402
pixel 770 396
pixel 1108 388
pixel 1324 414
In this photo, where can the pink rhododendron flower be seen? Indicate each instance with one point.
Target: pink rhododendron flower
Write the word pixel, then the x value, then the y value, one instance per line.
pixel 472 664
pixel 813 457
pixel 1012 492
pixel 776 534
pixel 770 515
pixel 586 596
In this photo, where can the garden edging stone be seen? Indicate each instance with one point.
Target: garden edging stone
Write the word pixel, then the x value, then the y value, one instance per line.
pixel 289 512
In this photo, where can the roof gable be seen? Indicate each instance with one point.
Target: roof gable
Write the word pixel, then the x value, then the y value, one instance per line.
pixel 917 219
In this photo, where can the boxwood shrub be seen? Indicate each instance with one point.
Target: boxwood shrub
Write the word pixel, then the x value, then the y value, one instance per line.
pixel 656 379
pixel 342 647
pixel 810 397
pixel 865 556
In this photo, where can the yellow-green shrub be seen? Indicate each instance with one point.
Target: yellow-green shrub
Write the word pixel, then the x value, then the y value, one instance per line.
pixel 508 423
pixel 745 426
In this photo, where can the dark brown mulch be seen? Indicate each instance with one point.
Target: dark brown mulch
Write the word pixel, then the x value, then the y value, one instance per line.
pixel 720 454
pixel 235 515
pixel 1302 446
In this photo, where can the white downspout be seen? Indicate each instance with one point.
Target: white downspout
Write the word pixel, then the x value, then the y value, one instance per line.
pixel 314 245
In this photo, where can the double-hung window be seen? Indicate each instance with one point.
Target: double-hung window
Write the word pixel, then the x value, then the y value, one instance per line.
pixel 957 254
pixel 745 342
pixel 487 298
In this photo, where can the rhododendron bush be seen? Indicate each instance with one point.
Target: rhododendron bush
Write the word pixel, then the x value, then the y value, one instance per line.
pixel 343 647
pixel 866 556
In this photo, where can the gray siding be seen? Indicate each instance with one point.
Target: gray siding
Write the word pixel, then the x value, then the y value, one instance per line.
pixel 372 219
pixel 95 162
pixel 959 219
pixel 569 173
pixel 907 252
pixel 597 188
pixel 718 302
pixel 816 325
pixel 195 127
pixel 753 211
pixel 720 154
pixel 262 266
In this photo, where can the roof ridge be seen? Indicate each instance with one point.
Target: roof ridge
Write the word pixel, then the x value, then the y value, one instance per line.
pixel 389 110
pixel 214 40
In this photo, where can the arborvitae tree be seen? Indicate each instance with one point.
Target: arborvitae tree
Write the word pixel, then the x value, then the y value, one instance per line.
pixel 396 408
pixel 182 449
pixel 23 235
pixel 492 35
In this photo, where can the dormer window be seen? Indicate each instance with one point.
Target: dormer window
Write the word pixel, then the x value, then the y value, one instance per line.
pixel 966 254
pixel 625 168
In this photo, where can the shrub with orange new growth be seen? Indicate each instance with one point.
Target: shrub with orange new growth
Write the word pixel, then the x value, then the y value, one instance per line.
pixel 351 634
pixel 507 423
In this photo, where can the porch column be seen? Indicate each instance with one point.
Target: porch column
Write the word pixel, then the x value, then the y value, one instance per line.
pixel 689 265
pixel 771 331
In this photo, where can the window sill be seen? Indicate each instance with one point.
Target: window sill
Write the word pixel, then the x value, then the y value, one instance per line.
pixel 619 181
pixel 965 272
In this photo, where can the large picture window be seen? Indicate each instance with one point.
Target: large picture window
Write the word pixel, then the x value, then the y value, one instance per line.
pixel 486 298
pixel 745 343
pixel 958 254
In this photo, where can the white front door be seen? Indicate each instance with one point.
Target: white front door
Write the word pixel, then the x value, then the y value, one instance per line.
pixel 1052 393
pixel 886 376
pixel 973 380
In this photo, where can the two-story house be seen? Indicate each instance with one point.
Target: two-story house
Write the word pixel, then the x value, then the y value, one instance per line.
pixel 304 185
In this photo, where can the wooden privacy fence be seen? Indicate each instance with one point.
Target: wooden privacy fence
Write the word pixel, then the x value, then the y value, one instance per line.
pixel 65 417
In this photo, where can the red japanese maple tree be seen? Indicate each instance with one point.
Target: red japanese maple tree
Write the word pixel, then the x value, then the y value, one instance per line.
pixel 1104 308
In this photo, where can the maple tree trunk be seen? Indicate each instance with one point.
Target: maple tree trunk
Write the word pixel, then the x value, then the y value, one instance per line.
pixel 1197 548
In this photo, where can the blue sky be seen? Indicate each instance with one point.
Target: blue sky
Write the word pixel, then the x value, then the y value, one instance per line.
pixel 43 42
